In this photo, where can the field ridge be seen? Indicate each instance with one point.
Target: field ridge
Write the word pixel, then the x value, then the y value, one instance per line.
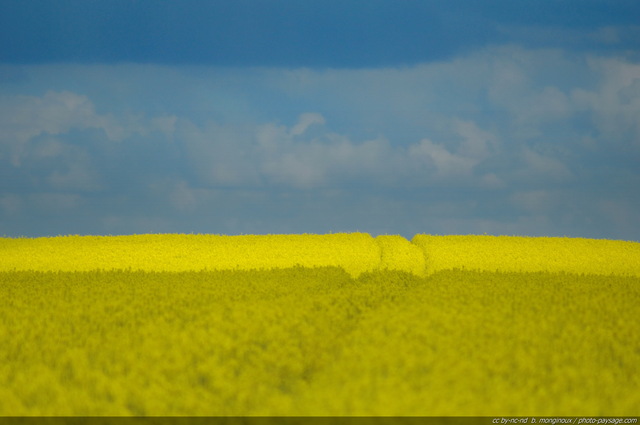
pixel 356 253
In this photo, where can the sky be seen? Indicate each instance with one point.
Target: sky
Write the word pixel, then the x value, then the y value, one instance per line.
pixel 305 116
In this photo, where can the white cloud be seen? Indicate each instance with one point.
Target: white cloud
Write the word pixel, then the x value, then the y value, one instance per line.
pixel 24 117
pixel 281 155
pixel 179 195
pixel 184 198
pixel 334 158
pixel 542 168
pixel 607 35
pixel 615 102
pixel 56 113
pixel 305 121
pixel 50 147
pixel 551 104
pixel 54 202
pixel 534 201
pixel 612 35
pixel 423 122
pixel 283 159
pixel 44 142
pixel 435 155
pixel 492 181
pixel 165 124
pixel 457 164
pixel 507 121
pixel 77 175
pixel 219 155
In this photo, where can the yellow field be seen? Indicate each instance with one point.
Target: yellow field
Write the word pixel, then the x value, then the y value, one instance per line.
pixel 341 324
pixel 522 254
pixel 356 253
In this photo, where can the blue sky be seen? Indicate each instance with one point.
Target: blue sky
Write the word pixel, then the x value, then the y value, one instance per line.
pixel 282 116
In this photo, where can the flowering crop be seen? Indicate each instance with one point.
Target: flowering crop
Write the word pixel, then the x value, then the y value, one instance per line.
pixel 397 253
pixel 354 252
pixel 302 341
pixel 342 324
pixel 526 254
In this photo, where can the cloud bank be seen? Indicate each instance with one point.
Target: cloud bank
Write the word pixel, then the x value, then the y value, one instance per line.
pixel 505 140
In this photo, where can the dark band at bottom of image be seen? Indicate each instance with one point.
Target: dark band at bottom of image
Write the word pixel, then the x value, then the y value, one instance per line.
pixel 325 420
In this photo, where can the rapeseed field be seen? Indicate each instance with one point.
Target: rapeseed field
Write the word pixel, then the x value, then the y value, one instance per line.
pixel 526 254
pixel 323 325
pixel 354 252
